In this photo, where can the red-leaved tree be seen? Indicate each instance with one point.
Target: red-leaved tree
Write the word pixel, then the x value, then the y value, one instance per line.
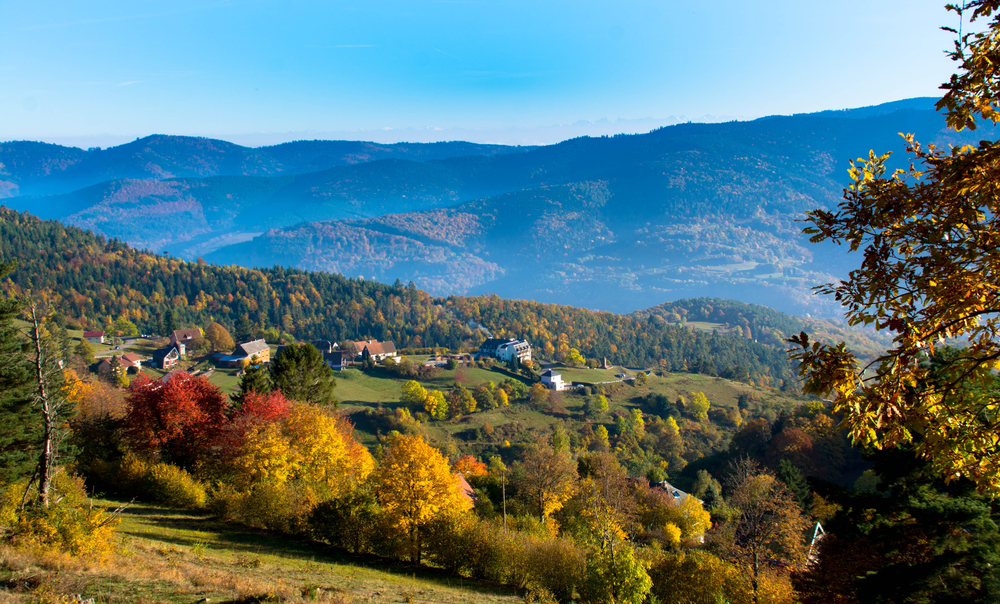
pixel 178 419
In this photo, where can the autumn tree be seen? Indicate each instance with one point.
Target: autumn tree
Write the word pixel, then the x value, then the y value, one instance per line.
pixel 697 407
pixel 178 418
pixel 928 240
pixel 414 485
pixel 469 467
pixel 300 372
pixel 436 405
pixel 219 337
pixel 767 523
pixel 413 394
pixel 545 479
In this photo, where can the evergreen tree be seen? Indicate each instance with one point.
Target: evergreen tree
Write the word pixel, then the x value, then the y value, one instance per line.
pixel 169 322
pixel 255 378
pixel 243 329
pixel 794 480
pixel 300 373
pixel 19 433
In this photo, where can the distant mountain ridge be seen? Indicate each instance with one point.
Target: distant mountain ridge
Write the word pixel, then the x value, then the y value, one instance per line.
pixel 32 168
pixel 616 223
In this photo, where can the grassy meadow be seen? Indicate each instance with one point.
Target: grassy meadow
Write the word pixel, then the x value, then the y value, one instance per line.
pixel 177 556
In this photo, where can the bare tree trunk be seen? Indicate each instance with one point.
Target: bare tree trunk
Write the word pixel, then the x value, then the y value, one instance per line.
pixel 46 459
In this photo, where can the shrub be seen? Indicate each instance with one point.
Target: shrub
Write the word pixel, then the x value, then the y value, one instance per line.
pixel 349 521
pixel 69 525
pixel 170 485
pixel 617 576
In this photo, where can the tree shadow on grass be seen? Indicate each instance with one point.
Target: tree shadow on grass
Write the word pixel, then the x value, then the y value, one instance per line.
pixel 177 525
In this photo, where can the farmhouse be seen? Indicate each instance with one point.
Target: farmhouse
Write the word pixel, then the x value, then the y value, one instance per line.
pixel 505 349
pixel 166 357
pixel 338 360
pixel 94 337
pixel 182 337
pixel 245 352
pixel 553 380
pixel 375 350
pixel 129 360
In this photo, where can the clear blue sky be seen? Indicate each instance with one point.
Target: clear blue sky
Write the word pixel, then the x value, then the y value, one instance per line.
pixel 105 70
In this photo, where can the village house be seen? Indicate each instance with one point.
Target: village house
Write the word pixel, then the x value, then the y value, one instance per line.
pixel 325 346
pixel 375 350
pixel 94 337
pixel 129 360
pixel 504 349
pixel 166 357
pixel 183 337
pixel 338 360
pixel 553 380
pixel 257 349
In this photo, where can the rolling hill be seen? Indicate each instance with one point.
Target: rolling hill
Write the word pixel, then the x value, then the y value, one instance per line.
pixel 616 223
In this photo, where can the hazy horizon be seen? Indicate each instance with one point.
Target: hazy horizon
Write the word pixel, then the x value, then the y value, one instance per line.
pixel 261 72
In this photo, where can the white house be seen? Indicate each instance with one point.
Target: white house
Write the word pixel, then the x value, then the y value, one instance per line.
pixel 553 381
pixel 505 349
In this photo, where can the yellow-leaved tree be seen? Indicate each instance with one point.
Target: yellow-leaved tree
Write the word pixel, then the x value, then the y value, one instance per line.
pixel 929 237
pixel 325 448
pixel 414 485
pixel 307 443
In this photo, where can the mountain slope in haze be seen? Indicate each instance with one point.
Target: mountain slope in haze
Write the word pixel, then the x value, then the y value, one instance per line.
pixel 31 168
pixel 617 223
pixel 686 211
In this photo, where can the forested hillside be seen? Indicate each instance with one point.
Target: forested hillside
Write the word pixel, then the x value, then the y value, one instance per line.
pixel 94 281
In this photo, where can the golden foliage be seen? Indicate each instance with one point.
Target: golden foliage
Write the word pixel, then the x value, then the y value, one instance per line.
pixel 414 485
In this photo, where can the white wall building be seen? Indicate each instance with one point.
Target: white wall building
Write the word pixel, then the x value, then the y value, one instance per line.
pixel 553 381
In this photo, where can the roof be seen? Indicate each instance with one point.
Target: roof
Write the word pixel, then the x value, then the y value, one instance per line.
pixel 93 334
pixel 466 488
pixel 337 356
pixel 671 490
pixel 375 347
pixel 163 353
pixel 494 343
pixel 191 333
pixel 255 347
pixel 550 373
pixel 324 345
pixel 131 358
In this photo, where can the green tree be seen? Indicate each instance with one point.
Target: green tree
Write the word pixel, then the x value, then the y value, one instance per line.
pixel 85 352
pixel 927 542
pixel 243 328
pixel 617 577
pixel 300 373
pixel 927 236
pixel 19 433
pixel 255 378
pixel 169 322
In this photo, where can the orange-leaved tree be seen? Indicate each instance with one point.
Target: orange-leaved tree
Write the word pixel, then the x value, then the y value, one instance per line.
pixel 414 485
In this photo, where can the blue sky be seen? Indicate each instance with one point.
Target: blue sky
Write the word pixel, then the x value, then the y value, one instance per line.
pixel 106 71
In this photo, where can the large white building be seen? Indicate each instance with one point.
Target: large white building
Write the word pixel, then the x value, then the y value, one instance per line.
pixel 505 349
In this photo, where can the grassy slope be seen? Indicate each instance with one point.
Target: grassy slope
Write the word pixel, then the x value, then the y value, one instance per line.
pixel 179 556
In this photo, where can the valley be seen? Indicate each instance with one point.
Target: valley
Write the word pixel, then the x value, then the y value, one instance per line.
pixel 614 223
